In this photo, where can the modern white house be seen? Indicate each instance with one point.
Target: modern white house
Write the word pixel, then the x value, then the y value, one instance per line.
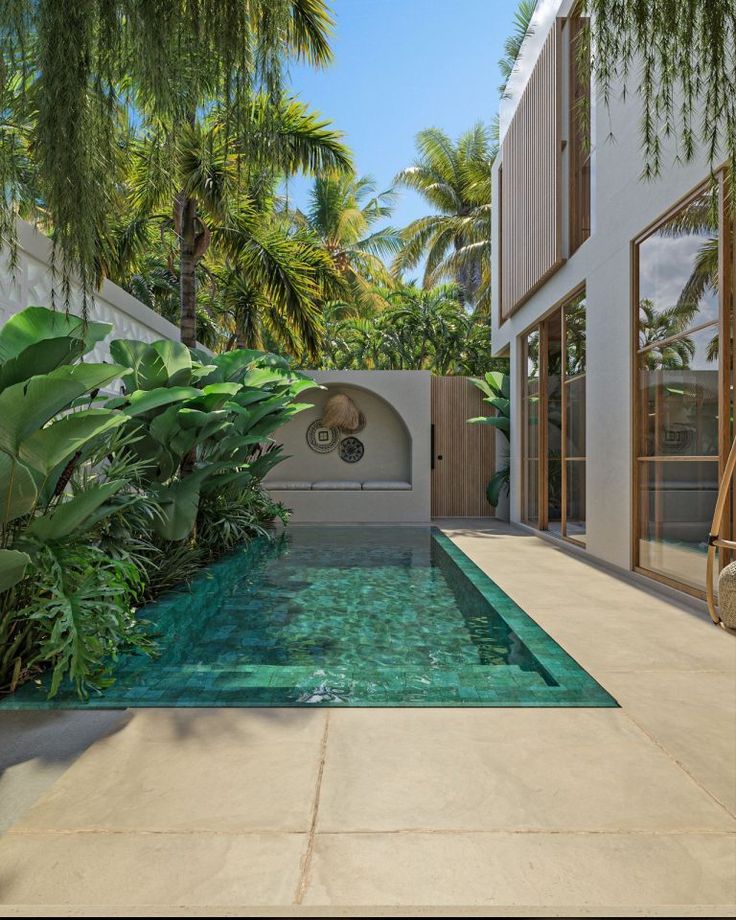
pixel 613 299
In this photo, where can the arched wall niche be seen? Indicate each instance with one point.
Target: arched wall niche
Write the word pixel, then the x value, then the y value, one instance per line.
pixel 386 439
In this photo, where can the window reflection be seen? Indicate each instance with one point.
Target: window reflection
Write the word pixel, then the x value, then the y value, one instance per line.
pixel 531 429
pixel 679 390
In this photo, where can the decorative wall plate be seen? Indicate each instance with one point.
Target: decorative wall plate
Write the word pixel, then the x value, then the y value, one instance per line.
pixel 321 439
pixel 351 450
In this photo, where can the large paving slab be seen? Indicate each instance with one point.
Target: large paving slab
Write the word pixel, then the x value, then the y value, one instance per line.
pixel 227 770
pixel 150 869
pixel 524 870
pixel 506 769
pixel 498 811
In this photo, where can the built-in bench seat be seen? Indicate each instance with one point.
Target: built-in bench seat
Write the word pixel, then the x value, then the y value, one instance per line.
pixel 339 485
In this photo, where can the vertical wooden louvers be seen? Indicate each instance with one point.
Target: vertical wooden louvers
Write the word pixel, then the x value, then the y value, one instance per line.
pixel 531 246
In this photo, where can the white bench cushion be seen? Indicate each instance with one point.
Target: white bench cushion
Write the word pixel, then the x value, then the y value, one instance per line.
pixel 287 485
pixel 390 485
pixel 336 484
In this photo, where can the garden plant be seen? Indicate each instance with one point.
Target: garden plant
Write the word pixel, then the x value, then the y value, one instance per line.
pixel 118 480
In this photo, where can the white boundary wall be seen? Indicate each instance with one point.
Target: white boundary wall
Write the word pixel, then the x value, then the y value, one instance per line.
pixel 30 284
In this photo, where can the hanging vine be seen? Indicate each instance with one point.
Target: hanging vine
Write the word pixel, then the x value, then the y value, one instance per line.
pixel 73 74
pixel 681 57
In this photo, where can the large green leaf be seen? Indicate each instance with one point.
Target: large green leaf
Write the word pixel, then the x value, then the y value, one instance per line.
pixel 230 365
pixel 129 353
pixel 222 481
pixel 17 489
pixel 58 442
pixel 13 565
pixel 500 403
pixel 77 514
pixel 165 363
pixel 143 401
pixel 499 382
pixel 495 421
pixel 264 376
pixel 40 358
pixel 266 462
pixel 158 364
pixel 215 395
pixel 497 483
pixel 36 324
pixel 26 407
pixel 179 503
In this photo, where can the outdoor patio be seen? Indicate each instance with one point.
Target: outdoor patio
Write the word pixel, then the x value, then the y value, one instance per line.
pixel 556 811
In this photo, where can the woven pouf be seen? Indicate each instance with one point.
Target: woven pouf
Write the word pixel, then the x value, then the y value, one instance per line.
pixel 727 596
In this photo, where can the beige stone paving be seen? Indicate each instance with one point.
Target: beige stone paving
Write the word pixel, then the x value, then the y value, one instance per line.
pixel 503 811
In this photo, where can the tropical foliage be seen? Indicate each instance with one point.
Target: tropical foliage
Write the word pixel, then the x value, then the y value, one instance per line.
pixel 496 389
pixel 417 329
pixel 454 178
pixel 77 74
pixel 512 45
pixel 681 59
pixel 342 214
pixel 99 492
pixel 209 197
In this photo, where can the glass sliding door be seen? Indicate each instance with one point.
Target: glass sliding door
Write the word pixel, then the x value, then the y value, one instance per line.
pixel 683 398
pixel 554 451
pixel 573 419
pixel 552 338
pixel 531 428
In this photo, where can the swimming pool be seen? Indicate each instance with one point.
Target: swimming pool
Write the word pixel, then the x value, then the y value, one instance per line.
pixel 342 616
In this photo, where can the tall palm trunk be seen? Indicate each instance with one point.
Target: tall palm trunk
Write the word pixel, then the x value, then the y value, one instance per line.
pixel 187 265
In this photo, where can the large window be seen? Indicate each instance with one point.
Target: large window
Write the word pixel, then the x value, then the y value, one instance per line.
pixel 554 422
pixel 579 117
pixel 683 391
pixel 531 430
pixel 573 420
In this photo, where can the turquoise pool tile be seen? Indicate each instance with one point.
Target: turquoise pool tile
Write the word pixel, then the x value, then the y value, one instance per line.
pixel 342 617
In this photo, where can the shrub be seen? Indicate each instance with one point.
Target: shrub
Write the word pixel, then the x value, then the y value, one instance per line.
pixel 106 500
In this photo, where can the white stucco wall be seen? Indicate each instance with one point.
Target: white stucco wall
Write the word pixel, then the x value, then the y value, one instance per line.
pixel 623 205
pixel 31 282
pixel 397 407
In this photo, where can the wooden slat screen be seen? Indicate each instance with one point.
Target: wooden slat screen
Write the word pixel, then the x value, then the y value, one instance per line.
pixel 530 219
pixel 460 478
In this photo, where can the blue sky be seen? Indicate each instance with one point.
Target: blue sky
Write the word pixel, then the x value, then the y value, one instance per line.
pixel 400 66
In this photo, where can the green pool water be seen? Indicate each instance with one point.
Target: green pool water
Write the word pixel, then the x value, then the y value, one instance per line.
pixel 342 616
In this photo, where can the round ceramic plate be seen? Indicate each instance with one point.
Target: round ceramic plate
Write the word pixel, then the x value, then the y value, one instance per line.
pixel 321 439
pixel 351 450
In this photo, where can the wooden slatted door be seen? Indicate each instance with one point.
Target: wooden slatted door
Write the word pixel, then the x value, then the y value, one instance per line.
pixel 463 457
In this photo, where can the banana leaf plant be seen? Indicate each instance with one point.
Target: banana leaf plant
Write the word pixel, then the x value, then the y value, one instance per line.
pixel 496 388
pixel 198 420
pixel 47 422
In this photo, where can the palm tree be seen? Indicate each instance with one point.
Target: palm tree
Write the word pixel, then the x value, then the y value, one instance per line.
pixel 657 326
pixel 417 330
pixel 209 191
pixel 74 74
pixel 342 214
pixel 512 45
pixel 454 178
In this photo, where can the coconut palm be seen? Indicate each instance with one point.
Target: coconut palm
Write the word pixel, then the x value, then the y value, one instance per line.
pixel 207 193
pixel 342 213
pixel 417 330
pixel 454 178
pixel 512 45
pixel 85 67
pixel 657 326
